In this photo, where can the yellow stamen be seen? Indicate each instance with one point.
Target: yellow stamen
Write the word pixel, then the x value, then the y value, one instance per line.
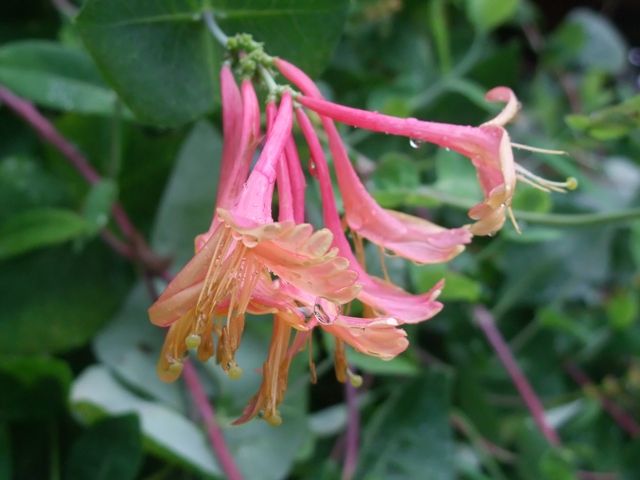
pixel 529 148
pixel 354 379
pixel 543 184
pixel 193 341
pixel 235 372
pixel 383 264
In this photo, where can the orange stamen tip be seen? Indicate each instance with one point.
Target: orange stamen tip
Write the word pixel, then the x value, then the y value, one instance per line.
pixel 193 341
pixel 235 372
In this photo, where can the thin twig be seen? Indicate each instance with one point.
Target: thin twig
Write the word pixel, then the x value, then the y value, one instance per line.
pixel 624 420
pixel 205 409
pixel 214 28
pixel 353 432
pixel 485 321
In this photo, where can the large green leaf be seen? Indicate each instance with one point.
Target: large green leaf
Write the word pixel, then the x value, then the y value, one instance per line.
pixel 187 204
pixel 25 381
pixel 39 228
pixel 111 449
pixel 163 61
pixel 56 299
pixel 97 393
pixel 302 32
pixel 489 14
pixel 55 76
pixel 130 346
pixel 603 48
pixel 409 436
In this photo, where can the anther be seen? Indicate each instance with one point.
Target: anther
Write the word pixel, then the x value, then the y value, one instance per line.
pixel 175 367
pixel 193 341
pixel 234 372
pixel 354 379
pixel 274 420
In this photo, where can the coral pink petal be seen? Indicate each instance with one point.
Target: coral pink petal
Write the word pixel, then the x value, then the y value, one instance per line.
pixel 410 237
pixel 254 202
pixel 379 337
pixel 384 297
pixel 182 292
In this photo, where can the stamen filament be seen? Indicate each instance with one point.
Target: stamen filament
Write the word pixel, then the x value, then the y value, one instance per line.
pixel 529 148
pixel 542 183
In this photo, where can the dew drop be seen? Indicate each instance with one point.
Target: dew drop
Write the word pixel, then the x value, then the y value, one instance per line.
pixel 313 171
pixel 415 143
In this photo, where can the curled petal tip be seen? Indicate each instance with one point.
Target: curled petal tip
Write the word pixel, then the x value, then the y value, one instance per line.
pixel 506 95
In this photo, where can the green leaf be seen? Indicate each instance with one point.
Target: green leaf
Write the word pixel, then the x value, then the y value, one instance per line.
pixel 455 174
pixel 111 449
pixel 55 76
pixel 156 54
pixel 304 33
pixel 489 14
pixel 5 453
pixel 266 453
pixel 457 286
pixel 56 299
pixel 396 170
pixel 39 228
pixel 162 60
pixel 529 199
pixel 25 184
pixel 409 436
pixel 610 123
pixel 130 346
pixel 188 201
pixel 603 48
pixel 97 206
pixel 95 393
pixel 25 381
pixel 622 309
pixel 400 366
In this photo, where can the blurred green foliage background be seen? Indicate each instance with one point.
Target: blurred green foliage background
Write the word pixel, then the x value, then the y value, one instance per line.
pixel 79 398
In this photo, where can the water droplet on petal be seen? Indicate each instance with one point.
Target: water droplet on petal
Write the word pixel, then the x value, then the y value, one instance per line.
pixel 415 143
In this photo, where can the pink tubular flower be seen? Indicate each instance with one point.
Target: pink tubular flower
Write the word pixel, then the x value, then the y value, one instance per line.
pixel 488 147
pixel 411 237
pixel 384 297
pixel 231 272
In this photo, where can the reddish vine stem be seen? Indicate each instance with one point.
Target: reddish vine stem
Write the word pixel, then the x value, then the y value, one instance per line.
pixel 485 321
pixel 131 251
pixel 45 129
pixel 624 420
pixel 205 409
pixel 353 432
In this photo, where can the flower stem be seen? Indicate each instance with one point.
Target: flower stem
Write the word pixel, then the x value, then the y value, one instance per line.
pixel 131 251
pixel 485 321
pixel 486 450
pixel 51 135
pixel 214 28
pixel 424 194
pixel 207 413
pixel 624 420
pixel 353 432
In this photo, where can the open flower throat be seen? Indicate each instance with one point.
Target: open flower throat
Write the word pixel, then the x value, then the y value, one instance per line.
pixel 247 262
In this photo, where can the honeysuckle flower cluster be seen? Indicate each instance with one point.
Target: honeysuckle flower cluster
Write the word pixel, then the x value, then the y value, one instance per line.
pixel 249 262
